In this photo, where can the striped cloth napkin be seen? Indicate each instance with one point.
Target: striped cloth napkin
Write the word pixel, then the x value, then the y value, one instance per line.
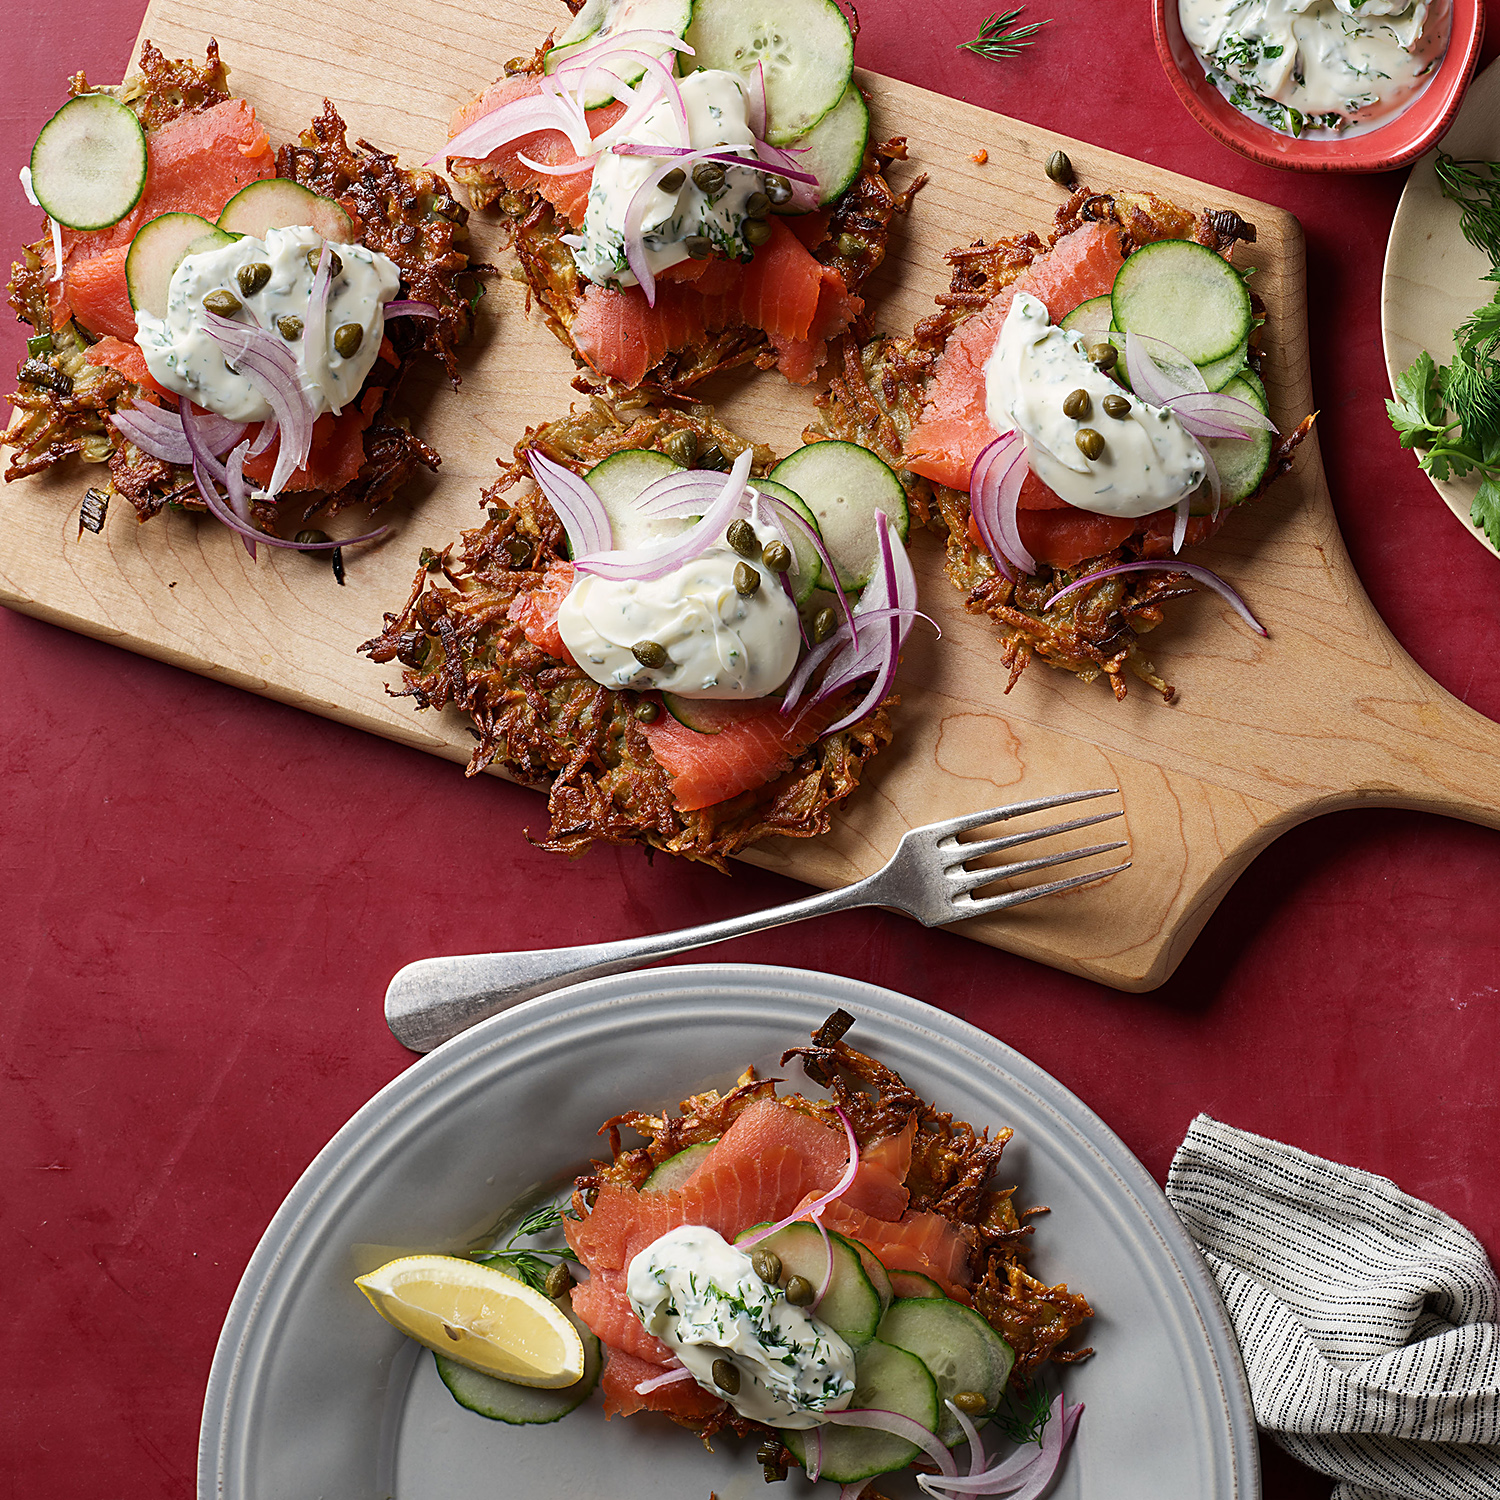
pixel 1367 1319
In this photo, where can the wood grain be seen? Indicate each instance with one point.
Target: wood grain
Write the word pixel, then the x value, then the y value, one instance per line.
pixel 1434 278
pixel 1327 713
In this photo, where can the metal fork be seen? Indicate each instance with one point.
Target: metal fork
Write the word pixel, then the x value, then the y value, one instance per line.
pixel 436 998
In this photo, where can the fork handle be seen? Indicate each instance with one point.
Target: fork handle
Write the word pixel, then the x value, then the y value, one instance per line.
pixel 434 999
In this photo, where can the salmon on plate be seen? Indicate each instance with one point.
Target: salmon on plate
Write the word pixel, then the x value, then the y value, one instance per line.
pixel 690 184
pixel 836 1276
pixel 222 324
pixel 690 646
pixel 1078 412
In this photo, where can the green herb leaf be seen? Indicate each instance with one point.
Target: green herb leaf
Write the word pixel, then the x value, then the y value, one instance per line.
pixel 1000 37
pixel 1024 1414
pixel 1485 512
pixel 1417 412
pixel 1474 186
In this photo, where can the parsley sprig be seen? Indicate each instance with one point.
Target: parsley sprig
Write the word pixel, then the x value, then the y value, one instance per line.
pixel 1000 37
pixel 1452 412
pixel 525 1263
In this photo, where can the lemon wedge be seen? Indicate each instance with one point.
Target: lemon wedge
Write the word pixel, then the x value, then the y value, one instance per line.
pixel 479 1317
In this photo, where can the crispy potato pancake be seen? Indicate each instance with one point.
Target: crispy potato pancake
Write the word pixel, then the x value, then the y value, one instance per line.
pixel 63 401
pixel 543 721
pixel 877 397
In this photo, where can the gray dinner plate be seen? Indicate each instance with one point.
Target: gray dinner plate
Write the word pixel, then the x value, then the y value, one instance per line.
pixel 312 1395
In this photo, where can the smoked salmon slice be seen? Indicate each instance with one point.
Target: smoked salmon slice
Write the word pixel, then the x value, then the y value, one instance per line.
pixel 753 743
pixel 570 194
pixel 684 1400
pixel 195 164
pixel 536 611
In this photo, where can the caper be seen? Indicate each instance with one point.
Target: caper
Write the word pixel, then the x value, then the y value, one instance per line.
pixel 800 1291
pixel 777 557
pixel 682 447
pixel 347 338
pixel 646 712
pixel 769 1452
pixel 746 580
pixel 741 536
pixel 1060 169
pixel 253 277
pixel 970 1403
pixel 1116 406
pixel 708 176
pixel 851 247
pixel 1104 355
pixel 758 205
pixel 1090 443
pixel 518 549
pixel 824 623
pixel 650 653
pixel 726 1376
pixel 779 190
pixel 755 231
pixel 289 327
pixel 312 538
pixel 559 1280
pixel 699 246
pixel 225 304
pixel 1076 404
pixel 712 457
pixel 335 265
pixel 767 1264
pixel 673 180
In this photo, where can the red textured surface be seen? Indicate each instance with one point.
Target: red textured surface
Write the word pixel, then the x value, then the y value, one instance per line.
pixel 203 894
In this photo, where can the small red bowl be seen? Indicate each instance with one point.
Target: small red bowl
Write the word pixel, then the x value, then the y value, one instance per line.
pixel 1417 129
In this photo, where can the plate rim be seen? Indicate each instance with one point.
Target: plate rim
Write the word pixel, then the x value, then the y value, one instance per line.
pixel 470 1048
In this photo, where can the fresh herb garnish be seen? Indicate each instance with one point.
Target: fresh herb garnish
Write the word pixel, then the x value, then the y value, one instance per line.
pixel 1474 186
pixel 1024 1414
pixel 1452 412
pixel 1000 37
pixel 529 1265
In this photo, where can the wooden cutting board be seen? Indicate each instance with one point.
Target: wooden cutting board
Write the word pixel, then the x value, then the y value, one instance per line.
pixel 1328 713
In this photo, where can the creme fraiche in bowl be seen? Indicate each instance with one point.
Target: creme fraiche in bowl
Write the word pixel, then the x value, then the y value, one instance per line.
pixel 1321 85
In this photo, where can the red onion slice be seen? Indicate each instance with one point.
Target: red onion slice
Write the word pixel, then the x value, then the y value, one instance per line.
pixel 823 1285
pixel 815 1462
pixel 315 332
pixel 672 1377
pixel 659 72
pixel 201 457
pixel 817 1206
pixel 711 153
pixel 582 60
pixel 406 308
pixel 647 564
pixel 1203 575
pixel 159 442
pixel 805 669
pixel 568 169
pixel 1150 380
pixel 755 101
pixel 1180 522
pixel 511 122
pixel 265 438
pixel 899 1426
pixel 977 1456
pixel 855 1490
pixel 1215 408
pixel 1022 1476
pixel 789 517
pixel 239 495
pixel 994 490
pixel 1215 484
pixel 578 507
pixel 878 646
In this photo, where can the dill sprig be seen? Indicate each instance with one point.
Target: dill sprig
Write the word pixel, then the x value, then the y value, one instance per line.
pixel 525 1263
pixel 1000 37
pixel 1024 1414
pixel 1474 186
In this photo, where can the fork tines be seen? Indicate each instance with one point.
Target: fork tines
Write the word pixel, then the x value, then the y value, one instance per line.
pixel 960 881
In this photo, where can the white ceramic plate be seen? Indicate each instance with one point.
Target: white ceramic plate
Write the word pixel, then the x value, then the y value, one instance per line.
pixel 312 1395
pixel 1434 278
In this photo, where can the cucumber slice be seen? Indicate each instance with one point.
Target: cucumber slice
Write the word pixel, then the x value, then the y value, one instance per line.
pixel 844 485
pixel 1219 372
pixel 599 20
pixel 88 166
pixel 676 1170
pixel 961 1350
pixel 908 1284
pixel 276 203
pixel 618 481
pixel 523 1405
pixel 805 46
pixel 834 149
pixel 1092 318
pixel 892 1380
pixel 1182 292
pixel 809 565
pixel 851 1306
pixel 158 248
pixel 1242 463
